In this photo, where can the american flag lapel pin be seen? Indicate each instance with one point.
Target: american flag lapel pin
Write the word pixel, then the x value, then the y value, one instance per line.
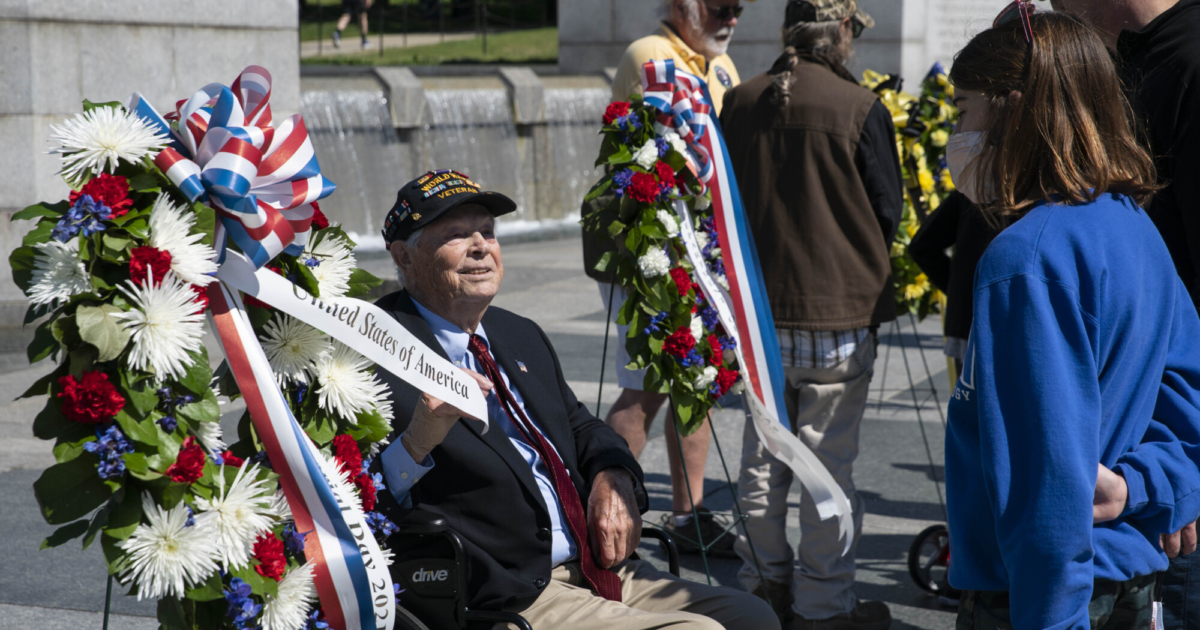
pixel 522 366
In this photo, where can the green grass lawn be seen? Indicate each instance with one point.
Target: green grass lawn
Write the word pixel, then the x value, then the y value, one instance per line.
pixel 526 46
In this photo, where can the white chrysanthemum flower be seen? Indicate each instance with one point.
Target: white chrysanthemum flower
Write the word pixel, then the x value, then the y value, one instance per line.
pixel 702 239
pixel 58 273
pixel 238 514
pixel 697 327
pixel 289 608
pixel 332 262
pixel 209 436
pixel 94 141
pixel 293 348
pixel 738 387
pixel 676 142
pixel 344 385
pixel 339 482
pixel 703 203
pixel 647 155
pixel 165 324
pixel 280 506
pixel 723 282
pixel 166 556
pixel 654 263
pixel 669 223
pixel 705 378
pixel 170 231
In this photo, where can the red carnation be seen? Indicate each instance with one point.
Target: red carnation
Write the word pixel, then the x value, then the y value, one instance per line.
pixel 201 298
pixel 643 187
pixel 268 550
pixel 319 220
pixel 666 174
pixel 146 260
pixel 715 344
pixel 345 451
pixel 366 490
pixel 232 460
pixel 110 190
pixel 725 379
pixel 91 400
pixel 189 465
pixel 615 111
pixel 683 281
pixel 680 343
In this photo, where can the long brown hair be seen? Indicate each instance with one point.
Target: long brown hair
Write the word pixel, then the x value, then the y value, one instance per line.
pixel 823 43
pixel 1071 133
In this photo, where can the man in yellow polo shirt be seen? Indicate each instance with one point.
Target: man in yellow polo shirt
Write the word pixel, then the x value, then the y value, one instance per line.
pixel 696 34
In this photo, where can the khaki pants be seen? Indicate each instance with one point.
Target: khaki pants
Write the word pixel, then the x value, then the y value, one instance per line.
pixel 650 599
pixel 826 407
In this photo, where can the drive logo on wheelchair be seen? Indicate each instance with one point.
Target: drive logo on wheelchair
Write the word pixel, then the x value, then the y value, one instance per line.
pixel 430 576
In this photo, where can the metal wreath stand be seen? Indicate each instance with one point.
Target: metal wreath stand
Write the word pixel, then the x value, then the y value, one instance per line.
pixel 738 516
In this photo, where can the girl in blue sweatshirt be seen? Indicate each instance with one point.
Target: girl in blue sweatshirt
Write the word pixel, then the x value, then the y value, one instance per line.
pixel 1084 355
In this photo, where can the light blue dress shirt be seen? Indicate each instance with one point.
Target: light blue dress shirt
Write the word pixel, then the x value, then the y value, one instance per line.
pixel 401 472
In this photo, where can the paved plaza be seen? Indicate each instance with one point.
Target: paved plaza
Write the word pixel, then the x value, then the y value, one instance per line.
pixel 65 587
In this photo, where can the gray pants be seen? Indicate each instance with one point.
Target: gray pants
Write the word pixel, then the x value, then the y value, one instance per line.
pixel 826 406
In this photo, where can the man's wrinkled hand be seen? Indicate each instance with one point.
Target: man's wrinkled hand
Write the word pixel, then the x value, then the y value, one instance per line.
pixel 614 524
pixel 1111 496
pixel 1182 542
pixel 433 419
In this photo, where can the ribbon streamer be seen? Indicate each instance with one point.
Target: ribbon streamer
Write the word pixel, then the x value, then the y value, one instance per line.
pixel 749 319
pixel 680 97
pixel 262 181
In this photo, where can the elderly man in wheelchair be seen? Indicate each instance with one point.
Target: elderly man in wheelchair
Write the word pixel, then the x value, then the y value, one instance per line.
pixel 531 519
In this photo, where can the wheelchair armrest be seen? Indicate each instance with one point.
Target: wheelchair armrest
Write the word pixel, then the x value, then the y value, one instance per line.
pixel 668 544
pixel 421 522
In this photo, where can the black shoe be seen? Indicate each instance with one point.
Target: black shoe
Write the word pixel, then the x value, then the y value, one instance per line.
pixel 865 616
pixel 780 599
pixel 712 532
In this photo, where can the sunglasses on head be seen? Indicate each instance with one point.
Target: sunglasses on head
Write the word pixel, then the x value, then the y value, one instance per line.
pixel 1018 10
pixel 726 12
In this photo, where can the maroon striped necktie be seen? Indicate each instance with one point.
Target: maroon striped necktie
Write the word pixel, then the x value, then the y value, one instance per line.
pixel 603 581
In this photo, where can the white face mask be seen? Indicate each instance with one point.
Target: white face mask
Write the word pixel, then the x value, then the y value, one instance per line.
pixel 962 155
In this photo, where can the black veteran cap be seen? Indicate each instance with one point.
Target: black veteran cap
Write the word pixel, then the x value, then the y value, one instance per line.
pixel 421 201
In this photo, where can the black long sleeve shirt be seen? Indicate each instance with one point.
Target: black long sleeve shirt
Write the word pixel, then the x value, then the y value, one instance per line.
pixel 879 166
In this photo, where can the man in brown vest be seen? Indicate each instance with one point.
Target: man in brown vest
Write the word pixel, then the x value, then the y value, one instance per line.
pixel 815 158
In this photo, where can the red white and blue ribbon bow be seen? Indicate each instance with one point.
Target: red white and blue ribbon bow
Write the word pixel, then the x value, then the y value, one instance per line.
pixel 262 180
pixel 758 348
pixel 684 106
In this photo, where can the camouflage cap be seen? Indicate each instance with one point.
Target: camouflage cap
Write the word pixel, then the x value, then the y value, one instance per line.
pixel 825 11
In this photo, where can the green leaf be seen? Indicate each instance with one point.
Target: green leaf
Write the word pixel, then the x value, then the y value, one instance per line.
pixel 371 426
pixel 138 228
pixel 361 283
pixel 206 222
pixel 261 585
pixel 39 234
pixel 143 182
pixel 70 446
pixel 203 410
pixel 259 317
pixel 125 516
pixel 114 246
pixel 211 590
pixel 99 521
pixel 65 533
pixel 199 374
pixel 143 431
pixel 21 262
pixel 99 326
pixel 605 260
pixel 38 210
pixel 42 386
pixel 43 344
pixel 51 425
pixel 321 428
pixel 114 556
pixel 89 106
pixel 598 189
pixel 620 156
pixel 141 394
pixel 306 280
pixel 615 228
pixel 81 360
pixel 170 614
pixel 70 490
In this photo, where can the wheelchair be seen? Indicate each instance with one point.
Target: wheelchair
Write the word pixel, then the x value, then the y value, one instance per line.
pixel 434 585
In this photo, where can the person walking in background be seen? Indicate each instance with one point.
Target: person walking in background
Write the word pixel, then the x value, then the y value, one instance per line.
pixel 695 34
pixel 357 10
pixel 816 161
pixel 1157 43
pixel 1073 431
